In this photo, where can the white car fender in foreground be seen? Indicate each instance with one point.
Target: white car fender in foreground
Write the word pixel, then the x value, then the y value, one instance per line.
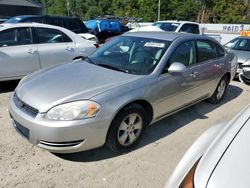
pixel 192 155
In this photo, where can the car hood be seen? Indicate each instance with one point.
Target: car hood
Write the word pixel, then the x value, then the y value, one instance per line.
pixel 225 162
pixel 233 169
pixel 78 80
pixel 242 56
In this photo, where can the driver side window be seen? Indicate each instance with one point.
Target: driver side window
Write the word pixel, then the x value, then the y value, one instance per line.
pixel 184 53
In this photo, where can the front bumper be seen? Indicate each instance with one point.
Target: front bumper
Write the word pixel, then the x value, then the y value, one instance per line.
pixel 59 136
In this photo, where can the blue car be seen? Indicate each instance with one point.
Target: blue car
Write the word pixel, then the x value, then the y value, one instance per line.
pixel 105 28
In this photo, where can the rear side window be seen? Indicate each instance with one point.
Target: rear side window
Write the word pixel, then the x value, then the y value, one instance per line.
pixel 8 38
pixel 66 38
pixel 206 51
pixel 194 29
pixel 220 51
pixel 185 28
pixel 46 35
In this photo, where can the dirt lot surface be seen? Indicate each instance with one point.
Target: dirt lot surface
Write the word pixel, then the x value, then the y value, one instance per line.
pixel 150 165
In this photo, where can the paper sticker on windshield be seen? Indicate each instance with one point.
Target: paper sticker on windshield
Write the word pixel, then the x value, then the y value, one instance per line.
pixel 155 44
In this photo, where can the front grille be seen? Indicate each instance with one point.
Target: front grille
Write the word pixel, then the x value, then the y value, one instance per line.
pixel 23 130
pixel 61 144
pixel 24 107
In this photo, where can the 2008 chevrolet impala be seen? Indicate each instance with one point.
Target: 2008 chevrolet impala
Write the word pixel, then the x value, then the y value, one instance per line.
pixel 111 96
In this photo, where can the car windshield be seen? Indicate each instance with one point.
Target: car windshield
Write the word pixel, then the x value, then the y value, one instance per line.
pixel 239 44
pixel 14 20
pixel 133 55
pixel 166 26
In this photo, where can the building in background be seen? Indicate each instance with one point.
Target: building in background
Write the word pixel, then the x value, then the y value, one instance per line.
pixel 10 8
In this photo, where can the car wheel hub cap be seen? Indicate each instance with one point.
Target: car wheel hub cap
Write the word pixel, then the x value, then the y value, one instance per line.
pixel 130 129
pixel 221 89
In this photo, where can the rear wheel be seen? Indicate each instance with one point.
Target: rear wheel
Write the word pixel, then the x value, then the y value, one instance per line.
pixel 220 91
pixel 127 128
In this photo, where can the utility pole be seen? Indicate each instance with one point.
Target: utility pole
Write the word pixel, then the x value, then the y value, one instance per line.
pixel 68 9
pixel 159 10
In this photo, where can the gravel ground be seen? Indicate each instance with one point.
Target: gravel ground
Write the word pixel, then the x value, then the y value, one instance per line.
pixel 150 165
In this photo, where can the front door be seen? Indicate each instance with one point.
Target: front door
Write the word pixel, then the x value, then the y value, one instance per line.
pixel 18 54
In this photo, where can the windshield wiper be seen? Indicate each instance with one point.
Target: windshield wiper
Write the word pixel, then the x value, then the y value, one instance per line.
pixel 112 67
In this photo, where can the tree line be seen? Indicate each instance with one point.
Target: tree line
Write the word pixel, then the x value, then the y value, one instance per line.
pixel 213 11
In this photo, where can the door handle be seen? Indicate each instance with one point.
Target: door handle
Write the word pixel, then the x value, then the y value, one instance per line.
pixel 194 74
pixel 69 48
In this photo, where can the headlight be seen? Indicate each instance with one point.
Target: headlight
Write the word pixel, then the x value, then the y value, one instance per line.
pixel 73 111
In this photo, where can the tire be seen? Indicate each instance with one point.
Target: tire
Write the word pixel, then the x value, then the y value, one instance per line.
pixel 220 91
pixel 127 128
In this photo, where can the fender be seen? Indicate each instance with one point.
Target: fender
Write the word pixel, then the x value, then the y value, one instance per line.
pixel 192 155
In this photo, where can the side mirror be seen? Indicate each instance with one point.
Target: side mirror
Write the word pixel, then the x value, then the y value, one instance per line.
pixel 177 67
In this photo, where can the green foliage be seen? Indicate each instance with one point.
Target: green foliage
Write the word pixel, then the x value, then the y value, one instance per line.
pixel 230 11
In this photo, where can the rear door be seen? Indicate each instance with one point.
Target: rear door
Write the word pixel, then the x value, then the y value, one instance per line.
pixel 18 54
pixel 210 64
pixel 54 47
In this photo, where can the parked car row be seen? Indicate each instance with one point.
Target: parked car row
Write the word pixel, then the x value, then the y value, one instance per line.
pixel 112 95
pixel 27 47
pixel 73 24
pixel 109 95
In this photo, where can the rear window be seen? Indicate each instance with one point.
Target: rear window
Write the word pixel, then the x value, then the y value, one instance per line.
pixel 14 20
pixel 166 26
pixel 206 51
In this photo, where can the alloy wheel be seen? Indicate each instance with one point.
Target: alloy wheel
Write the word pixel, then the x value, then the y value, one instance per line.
pixel 130 129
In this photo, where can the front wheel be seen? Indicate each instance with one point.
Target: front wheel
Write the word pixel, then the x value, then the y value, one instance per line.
pixel 127 128
pixel 220 91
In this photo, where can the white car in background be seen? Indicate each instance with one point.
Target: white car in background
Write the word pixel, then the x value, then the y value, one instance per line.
pixel 218 159
pixel 27 47
pixel 172 26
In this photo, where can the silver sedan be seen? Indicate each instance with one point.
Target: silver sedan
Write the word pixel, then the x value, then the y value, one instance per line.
pixel 111 96
pixel 219 158
pixel 240 46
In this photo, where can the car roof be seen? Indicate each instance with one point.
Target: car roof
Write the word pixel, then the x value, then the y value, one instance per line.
pixel 176 21
pixel 39 16
pixel 168 36
pixel 32 24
